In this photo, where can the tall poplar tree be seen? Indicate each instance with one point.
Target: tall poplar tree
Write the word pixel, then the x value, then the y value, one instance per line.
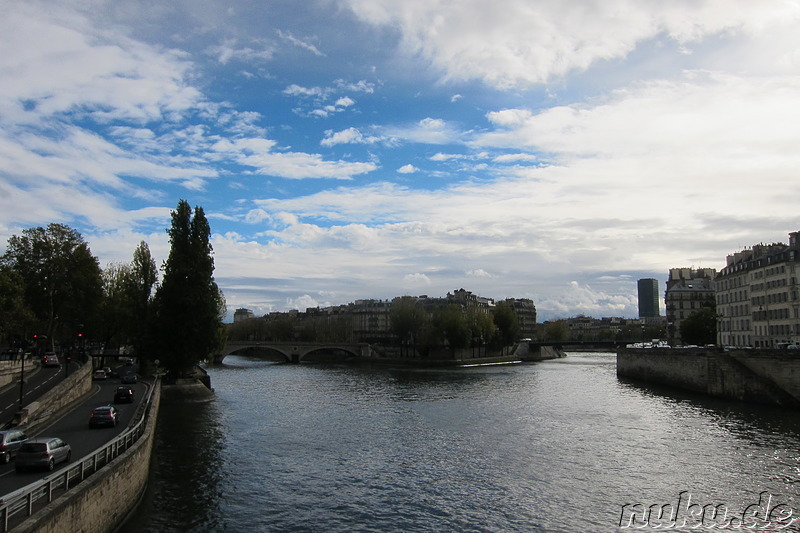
pixel 142 280
pixel 188 302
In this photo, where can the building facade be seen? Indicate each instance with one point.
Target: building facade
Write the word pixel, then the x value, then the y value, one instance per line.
pixel 648 298
pixel 242 314
pixel 758 303
pixel 688 290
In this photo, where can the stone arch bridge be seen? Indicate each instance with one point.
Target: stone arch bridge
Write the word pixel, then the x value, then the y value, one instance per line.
pixel 295 352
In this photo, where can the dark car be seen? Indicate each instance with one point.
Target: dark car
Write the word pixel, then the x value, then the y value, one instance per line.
pixel 129 378
pixel 10 443
pixel 43 452
pixel 105 415
pixel 123 394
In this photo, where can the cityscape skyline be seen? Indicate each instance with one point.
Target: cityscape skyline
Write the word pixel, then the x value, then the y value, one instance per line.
pixel 345 150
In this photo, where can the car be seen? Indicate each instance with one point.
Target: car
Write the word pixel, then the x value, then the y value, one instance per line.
pixel 124 394
pixel 129 378
pixel 10 442
pixel 50 359
pixel 105 415
pixel 99 374
pixel 42 452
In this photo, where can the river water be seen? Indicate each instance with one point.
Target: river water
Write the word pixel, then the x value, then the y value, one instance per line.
pixel 554 446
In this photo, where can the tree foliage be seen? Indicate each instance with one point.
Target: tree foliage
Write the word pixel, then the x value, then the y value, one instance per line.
pixel 116 318
pixel 451 322
pixel 700 327
pixel 62 281
pixel 140 288
pixel 505 318
pixel 189 304
pixel 556 331
pixel 15 317
pixel 407 317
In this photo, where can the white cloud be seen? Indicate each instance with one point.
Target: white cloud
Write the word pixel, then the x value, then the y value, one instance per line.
pixel 416 280
pixel 287 36
pixel 521 43
pixel 407 169
pixel 302 303
pixel 297 90
pixel 428 130
pixel 348 136
pixel 229 49
pixel 259 154
pixel 361 86
pixel 513 158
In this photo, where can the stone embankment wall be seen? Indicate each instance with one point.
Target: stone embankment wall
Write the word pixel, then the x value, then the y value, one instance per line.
pixel 10 370
pixel 760 376
pixel 538 353
pixel 71 389
pixel 105 500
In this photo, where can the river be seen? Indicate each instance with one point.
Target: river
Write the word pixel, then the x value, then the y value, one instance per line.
pixel 554 446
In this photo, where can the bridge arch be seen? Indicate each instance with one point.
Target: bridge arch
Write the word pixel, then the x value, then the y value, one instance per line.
pixel 295 352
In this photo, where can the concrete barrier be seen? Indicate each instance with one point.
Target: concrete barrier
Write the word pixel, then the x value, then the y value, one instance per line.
pixel 759 376
pixel 105 500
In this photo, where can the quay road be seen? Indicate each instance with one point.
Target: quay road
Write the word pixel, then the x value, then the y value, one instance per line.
pixel 37 382
pixel 73 427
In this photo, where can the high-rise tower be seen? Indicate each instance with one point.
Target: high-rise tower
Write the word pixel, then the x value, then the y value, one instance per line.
pixel 648 298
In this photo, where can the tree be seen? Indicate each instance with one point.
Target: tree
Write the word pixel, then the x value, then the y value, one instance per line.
pixel 700 327
pixel 116 318
pixel 505 318
pixel 140 284
pixel 481 326
pixel 14 314
pixel 451 322
pixel 63 287
pixel 556 331
pixel 188 302
pixel 406 320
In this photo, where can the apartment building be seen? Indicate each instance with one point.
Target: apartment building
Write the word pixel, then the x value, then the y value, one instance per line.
pixel 688 290
pixel 757 297
pixel 242 314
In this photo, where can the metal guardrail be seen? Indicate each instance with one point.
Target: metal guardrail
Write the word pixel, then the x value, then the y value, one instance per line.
pixel 19 505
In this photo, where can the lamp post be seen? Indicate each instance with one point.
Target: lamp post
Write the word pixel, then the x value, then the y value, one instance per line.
pixel 22 381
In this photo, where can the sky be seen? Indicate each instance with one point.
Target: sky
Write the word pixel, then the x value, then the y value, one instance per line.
pixel 356 149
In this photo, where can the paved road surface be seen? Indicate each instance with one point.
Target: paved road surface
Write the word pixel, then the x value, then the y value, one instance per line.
pixel 74 429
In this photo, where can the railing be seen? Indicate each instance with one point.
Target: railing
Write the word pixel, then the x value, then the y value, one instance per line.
pixel 16 506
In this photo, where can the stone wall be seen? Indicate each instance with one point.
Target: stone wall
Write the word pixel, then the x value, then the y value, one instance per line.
pixel 38 413
pixel 761 376
pixel 10 370
pixel 105 500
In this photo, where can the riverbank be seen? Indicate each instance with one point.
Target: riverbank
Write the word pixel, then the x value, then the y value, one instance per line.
pixel 519 353
pixel 757 376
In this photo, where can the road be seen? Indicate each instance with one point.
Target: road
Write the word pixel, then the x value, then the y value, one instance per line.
pixel 37 382
pixel 74 429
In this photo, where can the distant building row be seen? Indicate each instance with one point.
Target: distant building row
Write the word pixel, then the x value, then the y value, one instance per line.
pixel 755 295
pixel 370 319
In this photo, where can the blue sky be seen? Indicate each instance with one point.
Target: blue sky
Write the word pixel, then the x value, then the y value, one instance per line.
pixel 348 149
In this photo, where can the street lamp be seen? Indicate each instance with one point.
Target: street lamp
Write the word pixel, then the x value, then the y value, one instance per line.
pixel 22 381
